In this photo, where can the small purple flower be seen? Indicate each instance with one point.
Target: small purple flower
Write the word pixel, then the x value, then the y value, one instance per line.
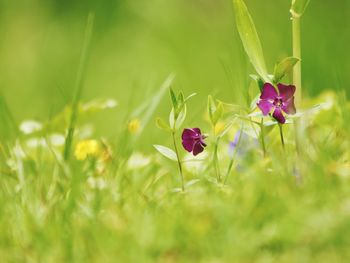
pixel 280 102
pixel 233 144
pixel 193 140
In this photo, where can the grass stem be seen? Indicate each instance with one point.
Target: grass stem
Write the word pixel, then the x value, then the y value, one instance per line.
pixel 262 137
pixel 78 86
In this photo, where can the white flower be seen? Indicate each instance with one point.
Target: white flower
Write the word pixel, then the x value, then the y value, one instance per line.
pixel 57 139
pixel 30 126
pixel 138 161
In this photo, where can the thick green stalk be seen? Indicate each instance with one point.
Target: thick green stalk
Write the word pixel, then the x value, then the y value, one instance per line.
pixel 297 54
pixel 297 78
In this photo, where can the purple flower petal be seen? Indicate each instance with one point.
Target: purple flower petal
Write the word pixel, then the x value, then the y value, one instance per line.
pixel 289 107
pixel 193 140
pixel 198 148
pixel 188 144
pixel 188 134
pixel 265 106
pixel 269 92
pixel 197 130
pixel 233 144
pixel 286 91
pixel 277 114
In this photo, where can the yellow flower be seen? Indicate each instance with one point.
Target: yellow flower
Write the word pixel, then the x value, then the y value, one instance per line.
pixel 87 148
pixel 134 126
pixel 219 127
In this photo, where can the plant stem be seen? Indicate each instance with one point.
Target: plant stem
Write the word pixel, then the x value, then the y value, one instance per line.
pixel 78 86
pixel 297 78
pixel 281 135
pixel 297 54
pixel 262 137
pixel 179 162
pixel 215 161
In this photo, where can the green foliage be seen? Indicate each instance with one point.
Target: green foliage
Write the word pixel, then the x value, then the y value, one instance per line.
pixel 78 89
pixel 122 203
pixel 178 112
pixel 167 152
pixel 56 211
pixel 215 111
pixel 250 38
pixel 283 67
pixel 161 124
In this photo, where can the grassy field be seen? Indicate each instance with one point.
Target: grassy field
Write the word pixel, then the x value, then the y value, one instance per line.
pixel 86 90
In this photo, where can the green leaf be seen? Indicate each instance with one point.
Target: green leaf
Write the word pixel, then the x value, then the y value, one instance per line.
pixel 232 108
pixel 254 102
pixel 167 152
pixel 172 119
pixel 175 123
pixel 180 104
pixel 218 113
pixel 148 107
pixel 283 67
pixel 258 81
pixel 173 98
pixel 162 125
pixel 181 98
pixel 190 96
pixel 181 118
pixel 250 38
pixel 298 7
pixel 225 130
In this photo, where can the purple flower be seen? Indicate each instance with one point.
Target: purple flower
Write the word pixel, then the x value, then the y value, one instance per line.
pixel 233 144
pixel 193 140
pixel 283 101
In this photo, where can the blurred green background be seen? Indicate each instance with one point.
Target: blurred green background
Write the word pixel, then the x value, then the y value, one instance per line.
pixel 137 43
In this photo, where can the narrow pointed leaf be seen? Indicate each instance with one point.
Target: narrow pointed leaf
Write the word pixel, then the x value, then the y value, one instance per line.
pixel 258 81
pixel 167 152
pixel 173 98
pixel 283 67
pixel 190 96
pixel 172 119
pixel 218 113
pixel 250 38
pixel 161 124
pixel 181 118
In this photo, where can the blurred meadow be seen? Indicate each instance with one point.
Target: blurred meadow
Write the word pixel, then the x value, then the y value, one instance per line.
pixel 136 44
pixel 124 207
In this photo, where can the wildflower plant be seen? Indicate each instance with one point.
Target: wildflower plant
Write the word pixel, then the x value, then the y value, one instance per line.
pixel 177 117
pixel 275 99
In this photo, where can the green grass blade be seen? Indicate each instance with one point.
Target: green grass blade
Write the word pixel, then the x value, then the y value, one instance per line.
pixel 8 123
pixel 79 85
